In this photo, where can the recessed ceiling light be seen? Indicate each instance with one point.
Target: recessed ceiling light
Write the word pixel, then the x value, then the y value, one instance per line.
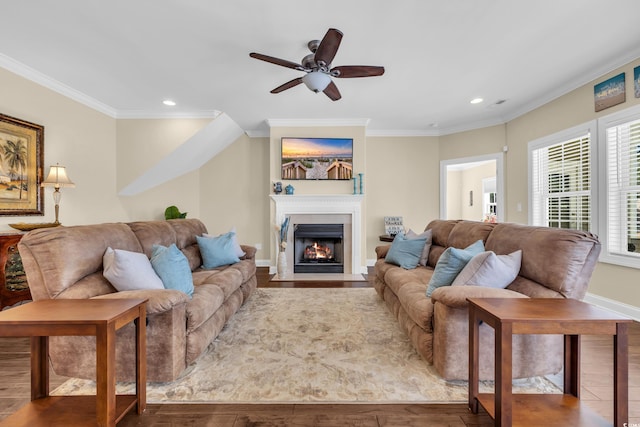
pixel 476 100
pixel 169 102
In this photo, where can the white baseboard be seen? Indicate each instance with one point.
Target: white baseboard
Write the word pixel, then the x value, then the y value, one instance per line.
pixel 613 305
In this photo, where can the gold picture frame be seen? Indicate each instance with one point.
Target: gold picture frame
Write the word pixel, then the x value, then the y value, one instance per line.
pixel 21 160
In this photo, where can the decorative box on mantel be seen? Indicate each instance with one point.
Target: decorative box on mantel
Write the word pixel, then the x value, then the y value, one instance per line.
pixel 343 209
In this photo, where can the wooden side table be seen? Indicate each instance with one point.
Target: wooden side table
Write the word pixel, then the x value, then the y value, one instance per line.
pixel 569 317
pixel 98 317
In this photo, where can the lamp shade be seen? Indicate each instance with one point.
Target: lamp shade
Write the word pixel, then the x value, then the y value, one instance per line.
pixel 317 81
pixel 57 178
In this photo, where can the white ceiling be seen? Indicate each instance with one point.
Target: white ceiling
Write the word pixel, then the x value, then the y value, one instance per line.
pixel 123 57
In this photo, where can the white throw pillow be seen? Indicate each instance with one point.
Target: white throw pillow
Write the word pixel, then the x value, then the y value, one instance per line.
pixel 424 258
pixel 490 270
pixel 128 271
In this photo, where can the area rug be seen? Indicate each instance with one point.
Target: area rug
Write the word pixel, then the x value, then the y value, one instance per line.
pixel 310 345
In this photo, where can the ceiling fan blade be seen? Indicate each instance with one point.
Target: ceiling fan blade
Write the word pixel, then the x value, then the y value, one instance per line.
pixel 287 85
pixel 278 61
pixel 328 47
pixel 350 71
pixel 332 92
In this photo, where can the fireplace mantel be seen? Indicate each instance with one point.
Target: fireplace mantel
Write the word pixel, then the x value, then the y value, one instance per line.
pixel 315 204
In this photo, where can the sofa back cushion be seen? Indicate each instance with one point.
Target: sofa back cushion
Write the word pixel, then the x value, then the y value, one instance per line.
pixel 455 233
pixel 181 232
pixel 561 260
pixel 58 259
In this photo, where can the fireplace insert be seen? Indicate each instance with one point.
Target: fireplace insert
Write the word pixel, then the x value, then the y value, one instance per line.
pixel 318 248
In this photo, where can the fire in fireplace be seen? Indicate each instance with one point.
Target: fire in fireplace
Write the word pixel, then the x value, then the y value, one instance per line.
pixel 318 248
pixel 317 252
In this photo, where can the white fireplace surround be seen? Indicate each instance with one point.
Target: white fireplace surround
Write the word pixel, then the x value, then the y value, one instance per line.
pixel 332 206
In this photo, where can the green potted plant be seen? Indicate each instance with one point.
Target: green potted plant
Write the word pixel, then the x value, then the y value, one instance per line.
pixel 172 212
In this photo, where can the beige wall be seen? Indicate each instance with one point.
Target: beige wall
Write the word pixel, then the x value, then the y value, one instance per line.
pixel 140 145
pixel 234 191
pixel 75 136
pixel 403 180
pixel 478 142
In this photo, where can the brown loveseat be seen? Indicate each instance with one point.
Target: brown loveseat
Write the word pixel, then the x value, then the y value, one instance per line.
pixel 556 263
pixel 66 262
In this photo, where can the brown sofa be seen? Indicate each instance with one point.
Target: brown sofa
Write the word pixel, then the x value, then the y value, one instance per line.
pixel 66 262
pixel 556 263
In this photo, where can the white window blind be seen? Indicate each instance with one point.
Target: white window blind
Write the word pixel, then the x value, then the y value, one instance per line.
pixel 623 188
pixel 561 184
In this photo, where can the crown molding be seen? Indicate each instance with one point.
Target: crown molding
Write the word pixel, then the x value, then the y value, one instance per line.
pixel 586 78
pixel 316 122
pixel 402 133
pixel 37 77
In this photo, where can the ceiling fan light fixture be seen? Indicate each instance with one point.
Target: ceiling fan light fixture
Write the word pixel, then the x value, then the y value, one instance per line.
pixel 316 81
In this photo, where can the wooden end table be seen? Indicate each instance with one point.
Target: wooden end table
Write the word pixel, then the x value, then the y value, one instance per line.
pixel 569 317
pixel 99 317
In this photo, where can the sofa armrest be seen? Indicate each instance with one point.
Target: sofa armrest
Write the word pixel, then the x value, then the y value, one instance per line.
pixel 381 251
pixel 160 300
pixel 456 296
pixel 250 252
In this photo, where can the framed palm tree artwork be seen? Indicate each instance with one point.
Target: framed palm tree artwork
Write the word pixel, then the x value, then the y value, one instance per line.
pixel 21 159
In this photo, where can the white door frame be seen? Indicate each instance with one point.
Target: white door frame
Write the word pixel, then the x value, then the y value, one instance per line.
pixel 499 159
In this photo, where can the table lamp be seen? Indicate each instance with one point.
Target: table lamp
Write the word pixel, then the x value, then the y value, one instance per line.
pixel 57 179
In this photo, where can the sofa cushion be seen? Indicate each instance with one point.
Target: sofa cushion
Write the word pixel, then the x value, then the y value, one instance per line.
pixel 172 267
pixel 206 300
pixel 246 267
pixel 217 251
pixel 396 277
pixel 419 308
pixel 406 252
pixel 127 270
pixel 226 278
pixel 451 263
pixel 490 270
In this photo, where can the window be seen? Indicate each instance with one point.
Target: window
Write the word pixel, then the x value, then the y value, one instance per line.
pixel 560 182
pixel 620 144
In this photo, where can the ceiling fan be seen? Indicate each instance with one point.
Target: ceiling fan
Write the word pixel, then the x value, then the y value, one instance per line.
pixel 317 67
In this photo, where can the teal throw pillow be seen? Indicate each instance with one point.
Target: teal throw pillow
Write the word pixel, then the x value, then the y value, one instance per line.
pixel 217 251
pixel 173 268
pixel 405 252
pixel 451 263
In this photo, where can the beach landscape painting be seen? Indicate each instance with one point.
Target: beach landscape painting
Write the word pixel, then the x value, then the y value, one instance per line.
pixel 317 158
pixel 610 92
pixel 21 155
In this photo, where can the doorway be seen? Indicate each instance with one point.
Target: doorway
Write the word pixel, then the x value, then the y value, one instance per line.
pixel 472 188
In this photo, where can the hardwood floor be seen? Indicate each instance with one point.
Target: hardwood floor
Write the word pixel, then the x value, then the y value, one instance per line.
pixel 597 392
